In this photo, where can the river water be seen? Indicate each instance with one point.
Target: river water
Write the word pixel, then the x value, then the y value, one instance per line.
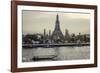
pixel 56 53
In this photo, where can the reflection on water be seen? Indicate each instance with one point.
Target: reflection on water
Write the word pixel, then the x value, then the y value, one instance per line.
pixel 56 53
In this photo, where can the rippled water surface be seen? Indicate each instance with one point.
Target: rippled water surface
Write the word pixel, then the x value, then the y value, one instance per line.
pixel 56 53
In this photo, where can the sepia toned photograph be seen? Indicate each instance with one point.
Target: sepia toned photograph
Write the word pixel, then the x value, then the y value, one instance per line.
pixel 52 36
pixel 55 36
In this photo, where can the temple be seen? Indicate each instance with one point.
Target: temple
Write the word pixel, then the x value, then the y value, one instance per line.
pixel 57 34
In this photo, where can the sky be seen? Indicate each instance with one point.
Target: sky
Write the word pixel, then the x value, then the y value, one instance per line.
pixel 37 21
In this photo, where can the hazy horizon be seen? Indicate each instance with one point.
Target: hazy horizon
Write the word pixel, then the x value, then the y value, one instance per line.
pixel 36 22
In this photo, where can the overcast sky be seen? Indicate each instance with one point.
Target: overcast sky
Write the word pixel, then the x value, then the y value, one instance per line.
pixel 36 22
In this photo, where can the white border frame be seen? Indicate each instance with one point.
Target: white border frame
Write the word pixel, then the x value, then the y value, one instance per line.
pixel 20 64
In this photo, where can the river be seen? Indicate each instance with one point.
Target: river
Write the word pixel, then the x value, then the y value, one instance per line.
pixel 55 53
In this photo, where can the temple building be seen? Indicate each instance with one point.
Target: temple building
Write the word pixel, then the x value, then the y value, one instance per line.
pixel 57 34
pixel 67 37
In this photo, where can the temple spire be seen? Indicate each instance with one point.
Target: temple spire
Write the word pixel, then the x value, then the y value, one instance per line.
pixel 57 26
pixel 57 17
pixel 57 34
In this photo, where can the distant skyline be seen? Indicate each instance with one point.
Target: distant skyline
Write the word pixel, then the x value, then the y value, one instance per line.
pixel 36 22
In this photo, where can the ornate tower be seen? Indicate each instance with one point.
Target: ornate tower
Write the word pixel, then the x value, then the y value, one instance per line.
pixel 57 34
pixel 67 37
pixel 44 36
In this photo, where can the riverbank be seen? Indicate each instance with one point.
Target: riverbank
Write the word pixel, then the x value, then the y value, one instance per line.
pixel 54 45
